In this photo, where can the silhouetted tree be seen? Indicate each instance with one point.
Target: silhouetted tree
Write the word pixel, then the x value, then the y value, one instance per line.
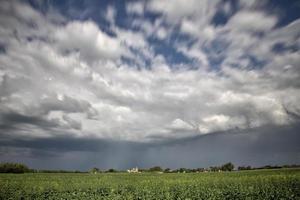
pixel 14 168
pixel 215 168
pixel 227 167
pixel 95 170
pixel 244 167
pixel 156 169
pixel 167 170
pixel 111 170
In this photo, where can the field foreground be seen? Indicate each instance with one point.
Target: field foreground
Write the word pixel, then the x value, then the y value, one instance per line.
pixel 257 184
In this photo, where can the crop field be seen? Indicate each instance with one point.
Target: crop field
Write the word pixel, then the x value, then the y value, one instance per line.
pixel 256 184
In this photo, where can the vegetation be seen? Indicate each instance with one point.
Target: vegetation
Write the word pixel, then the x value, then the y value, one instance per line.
pixel 21 168
pixel 95 170
pixel 227 167
pixel 111 170
pixel 273 182
pixel 253 184
pixel 156 169
pixel 14 168
pixel 244 168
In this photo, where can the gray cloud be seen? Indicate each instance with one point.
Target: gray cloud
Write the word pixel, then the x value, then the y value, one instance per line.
pixel 71 83
pixel 9 120
pixel 259 146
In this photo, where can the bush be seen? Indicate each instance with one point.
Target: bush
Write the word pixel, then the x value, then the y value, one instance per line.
pixel 95 170
pixel 155 169
pixel 111 170
pixel 227 167
pixel 244 168
pixel 13 168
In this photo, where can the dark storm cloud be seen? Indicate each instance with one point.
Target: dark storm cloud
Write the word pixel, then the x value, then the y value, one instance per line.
pixel 260 146
pixel 9 120
pixel 65 144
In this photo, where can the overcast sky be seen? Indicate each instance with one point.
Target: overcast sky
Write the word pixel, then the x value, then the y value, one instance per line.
pixel 180 83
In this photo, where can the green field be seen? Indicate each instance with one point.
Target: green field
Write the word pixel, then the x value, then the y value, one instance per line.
pixel 256 184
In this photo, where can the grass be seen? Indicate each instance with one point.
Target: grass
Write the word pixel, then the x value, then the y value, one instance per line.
pixel 256 184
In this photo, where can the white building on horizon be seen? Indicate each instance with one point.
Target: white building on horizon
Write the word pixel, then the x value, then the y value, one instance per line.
pixel 133 170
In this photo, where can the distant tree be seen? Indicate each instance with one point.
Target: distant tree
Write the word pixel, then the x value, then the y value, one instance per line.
pixel 182 170
pixel 14 168
pixel 270 167
pixel 200 169
pixel 244 168
pixel 156 169
pixel 111 170
pixel 214 168
pixel 143 170
pixel 95 170
pixel 227 167
pixel 167 170
pixel 291 166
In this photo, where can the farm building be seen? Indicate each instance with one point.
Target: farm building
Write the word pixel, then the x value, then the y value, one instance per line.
pixel 133 170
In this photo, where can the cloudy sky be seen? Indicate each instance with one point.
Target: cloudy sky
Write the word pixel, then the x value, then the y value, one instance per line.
pixel 140 83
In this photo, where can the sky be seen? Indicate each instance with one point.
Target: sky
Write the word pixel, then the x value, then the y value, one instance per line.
pixel 178 83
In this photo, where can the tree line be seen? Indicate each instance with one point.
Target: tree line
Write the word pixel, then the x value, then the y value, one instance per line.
pixel 225 167
pixel 21 168
pixel 14 168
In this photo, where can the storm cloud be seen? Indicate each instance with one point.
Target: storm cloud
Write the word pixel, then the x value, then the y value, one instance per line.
pixel 255 147
pixel 146 78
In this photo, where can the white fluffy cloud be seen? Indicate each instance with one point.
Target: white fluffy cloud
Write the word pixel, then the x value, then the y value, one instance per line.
pixel 177 9
pixel 70 78
pixel 88 40
pixel 252 21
